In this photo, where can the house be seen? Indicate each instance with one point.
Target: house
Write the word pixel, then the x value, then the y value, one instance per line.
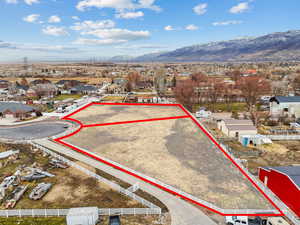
pixel 83 216
pixel 84 89
pixel 144 85
pixel 67 83
pixel 31 93
pixel 39 81
pixel 15 110
pixel 4 84
pixel 285 183
pixel 235 128
pixel 46 89
pixel 285 106
pixel 18 89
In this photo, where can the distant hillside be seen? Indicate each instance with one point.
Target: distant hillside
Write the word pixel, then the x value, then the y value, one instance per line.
pixel 279 46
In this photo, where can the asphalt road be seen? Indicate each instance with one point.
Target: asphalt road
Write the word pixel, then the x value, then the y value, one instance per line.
pixel 32 131
pixel 182 212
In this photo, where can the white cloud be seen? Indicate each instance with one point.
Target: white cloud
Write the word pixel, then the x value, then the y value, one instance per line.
pixel 192 27
pixel 11 1
pixel 85 41
pixel 92 25
pixel 240 8
pixel 117 4
pixel 226 23
pixel 118 34
pixel 54 19
pixel 31 18
pixel 169 28
pixel 55 31
pixel 200 9
pixel 30 2
pixel 130 15
pixel 36 47
pixel 75 18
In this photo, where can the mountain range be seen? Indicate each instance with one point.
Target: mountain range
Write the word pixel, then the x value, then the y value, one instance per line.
pixel 280 46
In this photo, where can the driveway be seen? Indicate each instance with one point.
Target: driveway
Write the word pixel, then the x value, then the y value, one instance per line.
pixel 182 212
pixel 32 131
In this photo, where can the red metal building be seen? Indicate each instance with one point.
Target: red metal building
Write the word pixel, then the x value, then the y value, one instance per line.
pixel 285 183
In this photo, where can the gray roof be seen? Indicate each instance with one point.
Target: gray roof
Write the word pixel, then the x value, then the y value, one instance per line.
pixel 291 171
pixel 15 107
pixel 241 127
pixel 84 88
pixel 285 99
pixel 237 122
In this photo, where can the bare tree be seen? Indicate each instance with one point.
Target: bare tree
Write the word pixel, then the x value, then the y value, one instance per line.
pixel 185 93
pixel 252 88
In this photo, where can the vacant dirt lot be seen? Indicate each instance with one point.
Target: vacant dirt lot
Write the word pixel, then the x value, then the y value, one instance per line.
pixel 96 114
pixel 177 153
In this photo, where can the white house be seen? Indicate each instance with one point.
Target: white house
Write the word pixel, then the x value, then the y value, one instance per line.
pixel 235 128
pixel 281 105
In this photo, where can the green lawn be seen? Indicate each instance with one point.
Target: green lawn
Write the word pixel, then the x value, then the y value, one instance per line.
pixel 223 107
pixel 33 221
pixel 63 97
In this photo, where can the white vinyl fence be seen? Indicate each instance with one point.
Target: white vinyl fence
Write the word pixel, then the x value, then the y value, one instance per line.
pixel 98 177
pixel 283 137
pixel 64 212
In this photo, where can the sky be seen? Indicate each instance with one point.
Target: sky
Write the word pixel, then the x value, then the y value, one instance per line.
pixel 83 29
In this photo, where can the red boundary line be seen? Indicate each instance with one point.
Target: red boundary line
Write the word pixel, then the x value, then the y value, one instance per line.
pixel 188 115
pixel 135 121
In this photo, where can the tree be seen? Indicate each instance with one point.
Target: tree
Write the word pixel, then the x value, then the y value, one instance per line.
pixel 24 82
pixel 133 79
pixel 296 85
pixel 215 91
pixel 198 77
pixel 185 93
pixel 252 88
pixel 235 75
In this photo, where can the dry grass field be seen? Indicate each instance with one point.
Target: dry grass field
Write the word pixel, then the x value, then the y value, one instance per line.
pixel 71 187
pixel 96 114
pixel 175 152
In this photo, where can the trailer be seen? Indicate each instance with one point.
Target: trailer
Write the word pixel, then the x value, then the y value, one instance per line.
pixel 39 191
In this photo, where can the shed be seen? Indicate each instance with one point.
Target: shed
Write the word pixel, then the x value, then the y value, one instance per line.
pixel 235 128
pixel 255 140
pixel 285 183
pixel 83 216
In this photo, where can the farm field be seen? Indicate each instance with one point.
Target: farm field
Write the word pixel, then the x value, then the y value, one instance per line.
pixel 175 152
